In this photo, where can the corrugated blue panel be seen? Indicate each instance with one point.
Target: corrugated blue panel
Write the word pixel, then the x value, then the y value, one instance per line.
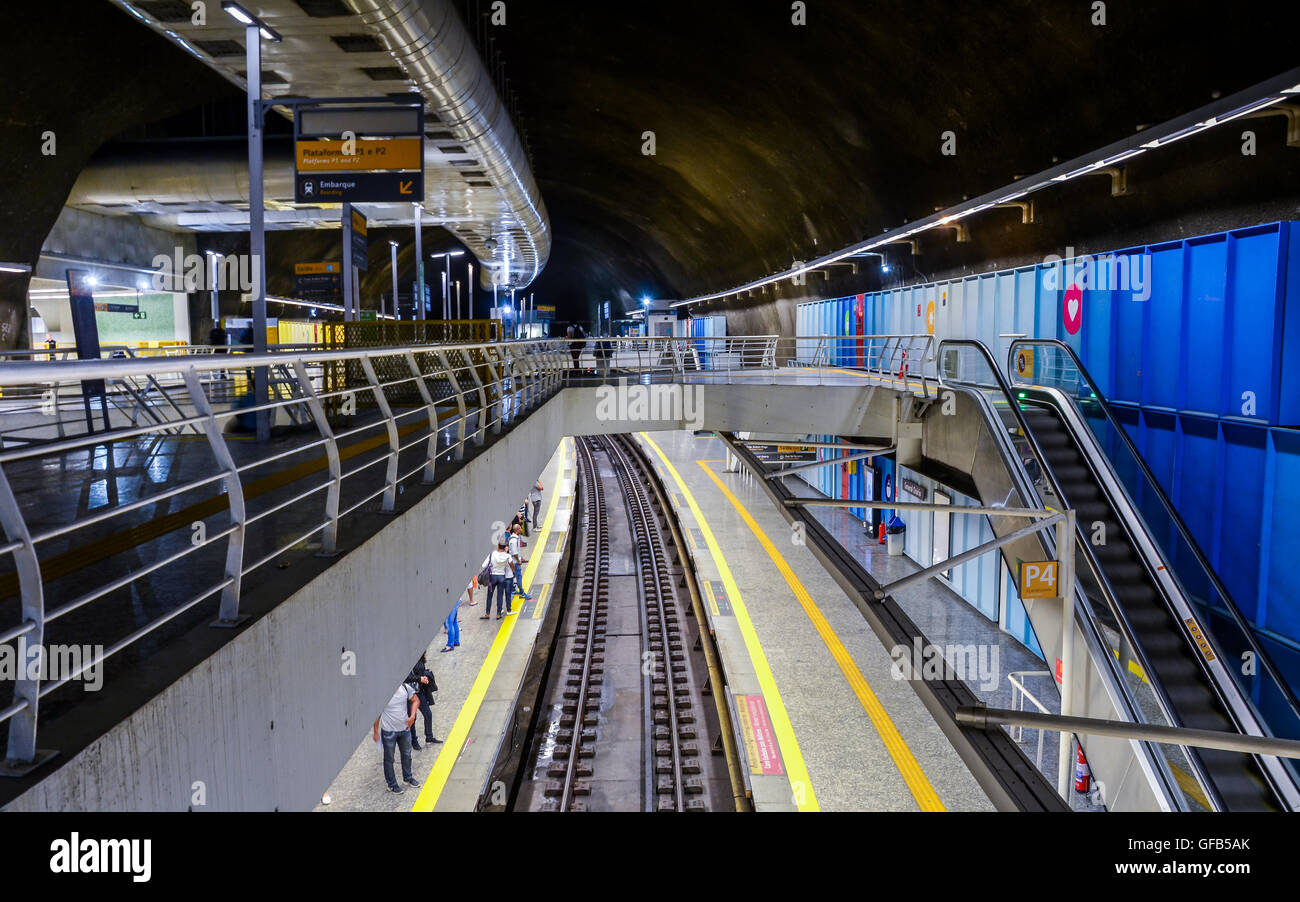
pixel 1196 491
pixel 1159 449
pixel 1244 462
pixel 1281 613
pixel 1289 366
pixel 1252 343
pixel 1200 374
pixel 1153 367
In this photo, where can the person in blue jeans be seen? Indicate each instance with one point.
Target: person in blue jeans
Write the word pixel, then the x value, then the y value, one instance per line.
pixel 500 566
pixel 452 625
pixel 396 720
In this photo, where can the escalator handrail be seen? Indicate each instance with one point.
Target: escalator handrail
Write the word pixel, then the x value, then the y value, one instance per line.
pixel 1154 484
pixel 1099 575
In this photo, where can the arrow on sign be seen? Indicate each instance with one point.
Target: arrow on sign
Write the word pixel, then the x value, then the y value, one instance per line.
pixel 405 187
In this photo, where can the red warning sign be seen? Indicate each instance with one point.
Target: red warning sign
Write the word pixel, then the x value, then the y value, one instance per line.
pixel 760 740
pixel 1072 309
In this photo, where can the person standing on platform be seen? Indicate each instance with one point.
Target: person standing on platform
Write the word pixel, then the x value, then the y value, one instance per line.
pixel 535 496
pixel 519 560
pixel 396 720
pixel 425 685
pixel 452 624
pixel 497 563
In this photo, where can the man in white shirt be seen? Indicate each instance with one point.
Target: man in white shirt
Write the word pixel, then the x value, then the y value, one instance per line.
pixel 395 721
pixel 516 586
pixel 535 496
pixel 498 563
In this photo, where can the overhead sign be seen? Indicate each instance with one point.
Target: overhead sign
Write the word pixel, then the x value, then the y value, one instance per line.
pixel 368 155
pixel 360 245
pixel 360 187
pixel 359 154
pixel 545 312
pixel 318 280
pixel 1038 579
pixel 784 453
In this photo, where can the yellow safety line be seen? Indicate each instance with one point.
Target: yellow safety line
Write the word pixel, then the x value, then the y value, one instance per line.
pixel 433 786
pixel 785 738
pixel 919 785
pixel 540 604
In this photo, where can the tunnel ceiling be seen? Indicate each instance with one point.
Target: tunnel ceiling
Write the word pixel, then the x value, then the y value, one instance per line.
pixel 777 142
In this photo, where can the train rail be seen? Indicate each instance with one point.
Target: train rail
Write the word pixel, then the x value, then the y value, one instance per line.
pixel 623 713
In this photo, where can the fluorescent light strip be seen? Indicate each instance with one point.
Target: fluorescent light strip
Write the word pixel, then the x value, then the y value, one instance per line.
pixel 949 218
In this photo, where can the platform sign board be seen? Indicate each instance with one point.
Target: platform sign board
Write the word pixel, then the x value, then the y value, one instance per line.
pixel 359 154
pixel 761 750
pixel 545 312
pixel 784 454
pixel 369 316
pixel 318 280
pixel 1038 579
pixel 360 245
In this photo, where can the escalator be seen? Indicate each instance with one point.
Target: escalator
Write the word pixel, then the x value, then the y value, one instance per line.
pixel 1163 596
pixel 1237 779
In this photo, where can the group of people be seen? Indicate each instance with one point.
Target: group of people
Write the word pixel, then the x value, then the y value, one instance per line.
pixel 502 573
pixel 602 350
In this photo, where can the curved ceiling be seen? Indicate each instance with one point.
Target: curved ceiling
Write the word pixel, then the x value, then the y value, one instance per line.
pixel 778 142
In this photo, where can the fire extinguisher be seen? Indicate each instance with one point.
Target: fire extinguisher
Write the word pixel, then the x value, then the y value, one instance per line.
pixel 882 533
pixel 1082 775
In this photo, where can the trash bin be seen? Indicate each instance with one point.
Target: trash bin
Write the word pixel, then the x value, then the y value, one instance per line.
pixel 895 536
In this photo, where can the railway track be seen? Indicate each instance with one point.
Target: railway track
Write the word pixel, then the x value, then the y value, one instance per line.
pixel 623 714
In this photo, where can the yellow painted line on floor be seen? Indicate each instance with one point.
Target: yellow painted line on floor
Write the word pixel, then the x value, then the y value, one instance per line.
pixel 796 770
pixel 540 605
pixel 910 769
pixel 432 789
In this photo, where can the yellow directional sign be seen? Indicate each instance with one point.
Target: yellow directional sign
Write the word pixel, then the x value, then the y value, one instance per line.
pixel 368 155
pixel 316 269
pixel 1038 579
pixel 1025 363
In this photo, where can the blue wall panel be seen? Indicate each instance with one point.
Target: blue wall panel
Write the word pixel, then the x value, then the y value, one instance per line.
pixel 1205 299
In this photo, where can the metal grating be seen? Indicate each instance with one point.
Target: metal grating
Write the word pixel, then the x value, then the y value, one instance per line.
pixel 219 49
pixel 473 174
pixel 358 43
pixel 453 148
pixel 384 73
pixel 470 163
pixel 324 9
pixel 169 11
pixel 479 184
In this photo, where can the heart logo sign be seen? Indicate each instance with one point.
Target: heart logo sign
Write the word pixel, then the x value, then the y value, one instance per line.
pixel 1072 309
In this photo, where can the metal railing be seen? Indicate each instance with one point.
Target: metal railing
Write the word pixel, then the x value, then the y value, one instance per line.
pixel 354 426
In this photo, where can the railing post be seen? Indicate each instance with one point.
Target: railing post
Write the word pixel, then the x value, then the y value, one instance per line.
pixel 499 386
pixel 427 479
pixel 330 537
pixel 480 432
pixel 22 755
pixel 461 412
pixel 390 478
pixel 1065 584
pixel 229 611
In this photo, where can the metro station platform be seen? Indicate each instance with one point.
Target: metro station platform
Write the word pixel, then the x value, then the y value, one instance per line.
pixel 477 683
pixel 850 736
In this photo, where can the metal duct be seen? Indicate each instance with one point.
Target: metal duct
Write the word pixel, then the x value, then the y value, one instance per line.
pixel 432 45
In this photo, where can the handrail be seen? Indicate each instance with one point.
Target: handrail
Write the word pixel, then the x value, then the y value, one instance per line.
pixel 1103 582
pixel 1174 516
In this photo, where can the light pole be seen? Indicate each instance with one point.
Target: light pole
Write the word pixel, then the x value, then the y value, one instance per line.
pixel 446 280
pixel 216 305
pixel 417 299
pixel 393 247
pixel 254 31
pixel 469 294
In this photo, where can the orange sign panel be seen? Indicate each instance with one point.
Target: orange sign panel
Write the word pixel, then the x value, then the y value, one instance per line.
pixel 368 154
pixel 1038 579
pixel 317 269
